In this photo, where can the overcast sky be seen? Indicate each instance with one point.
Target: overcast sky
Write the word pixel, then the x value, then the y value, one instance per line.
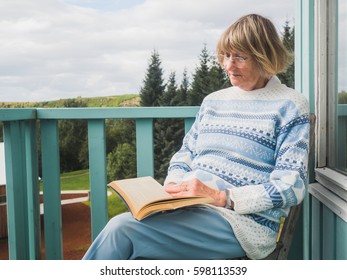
pixel 53 49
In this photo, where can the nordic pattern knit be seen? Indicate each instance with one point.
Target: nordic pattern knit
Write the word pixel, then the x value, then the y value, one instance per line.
pixel 256 144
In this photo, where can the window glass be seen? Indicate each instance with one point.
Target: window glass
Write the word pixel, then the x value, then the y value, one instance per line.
pixel 341 120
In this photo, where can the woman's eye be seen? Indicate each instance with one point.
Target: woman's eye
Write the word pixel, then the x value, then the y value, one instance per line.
pixel 240 58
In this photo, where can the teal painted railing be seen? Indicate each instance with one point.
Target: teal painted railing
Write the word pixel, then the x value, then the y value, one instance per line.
pixel 21 129
pixel 21 153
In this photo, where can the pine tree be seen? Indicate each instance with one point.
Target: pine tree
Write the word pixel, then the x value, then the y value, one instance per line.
pixel 153 87
pixel 170 93
pixel 172 130
pixel 217 77
pixel 288 39
pixel 152 95
pixel 200 86
pixel 168 132
pixel 182 92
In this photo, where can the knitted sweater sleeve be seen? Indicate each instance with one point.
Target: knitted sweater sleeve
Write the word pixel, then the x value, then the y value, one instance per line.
pixel 287 182
pixel 181 162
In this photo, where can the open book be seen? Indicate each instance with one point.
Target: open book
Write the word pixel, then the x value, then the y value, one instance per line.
pixel 145 196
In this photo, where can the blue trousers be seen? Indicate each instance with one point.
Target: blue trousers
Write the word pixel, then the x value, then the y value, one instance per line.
pixel 189 233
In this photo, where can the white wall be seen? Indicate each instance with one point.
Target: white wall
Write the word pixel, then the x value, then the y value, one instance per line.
pixel 2 165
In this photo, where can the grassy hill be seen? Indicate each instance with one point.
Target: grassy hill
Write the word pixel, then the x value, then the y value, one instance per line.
pixel 126 100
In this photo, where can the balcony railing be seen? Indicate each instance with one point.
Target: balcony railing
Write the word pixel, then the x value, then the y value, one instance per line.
pixel 20 136
pixel 21 153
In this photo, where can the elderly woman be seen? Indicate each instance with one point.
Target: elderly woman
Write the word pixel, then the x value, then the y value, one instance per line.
pixel 248 150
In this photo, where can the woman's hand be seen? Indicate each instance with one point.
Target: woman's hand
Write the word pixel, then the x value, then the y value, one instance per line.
pixel 196 188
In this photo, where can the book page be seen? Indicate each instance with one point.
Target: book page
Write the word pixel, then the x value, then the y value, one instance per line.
pixel 140 191
pixel 173 204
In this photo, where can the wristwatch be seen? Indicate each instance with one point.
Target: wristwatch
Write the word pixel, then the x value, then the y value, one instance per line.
pixel 228 204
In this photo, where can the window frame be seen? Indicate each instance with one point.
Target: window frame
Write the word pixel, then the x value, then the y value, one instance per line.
pixel 332 185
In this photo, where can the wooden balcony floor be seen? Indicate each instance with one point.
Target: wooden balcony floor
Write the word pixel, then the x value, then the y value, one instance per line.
pixel 76 232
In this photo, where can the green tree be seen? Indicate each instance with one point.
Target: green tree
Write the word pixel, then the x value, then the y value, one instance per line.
pixel 72 136
pixel 168 132
pixel 208 77
pixel 120 144
pixel 152 94
pixel 288 39
pixel 119 131
pixel 153 87
pixel 121 163
pixel 182 93
pixel 168 97
pixel 217 77
pixel 200 84
pixel 342 97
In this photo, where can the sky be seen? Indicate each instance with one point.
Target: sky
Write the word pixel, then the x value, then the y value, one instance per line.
pixel 56 49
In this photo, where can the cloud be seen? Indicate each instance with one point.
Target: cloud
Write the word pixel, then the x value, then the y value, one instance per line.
pixel 56 49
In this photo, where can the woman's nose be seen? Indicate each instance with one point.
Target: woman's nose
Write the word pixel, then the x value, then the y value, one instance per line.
pixel 229 64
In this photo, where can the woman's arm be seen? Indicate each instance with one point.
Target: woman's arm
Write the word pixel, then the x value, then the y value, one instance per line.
pixel 287 182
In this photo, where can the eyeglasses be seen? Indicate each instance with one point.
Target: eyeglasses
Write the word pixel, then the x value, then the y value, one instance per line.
pixel 239 60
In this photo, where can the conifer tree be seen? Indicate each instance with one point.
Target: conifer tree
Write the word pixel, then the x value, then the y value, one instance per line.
pixel 168 98
pixel 288 39
pixel 181 98
pixel 200 86
pixel 153 86
pixel 217 77
pixel 168 132
pixel 172 130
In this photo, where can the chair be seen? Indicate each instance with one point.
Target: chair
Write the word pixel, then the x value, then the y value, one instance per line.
pixel 286 234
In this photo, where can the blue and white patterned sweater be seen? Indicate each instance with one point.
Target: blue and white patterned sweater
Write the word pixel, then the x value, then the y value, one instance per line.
pixel 256 144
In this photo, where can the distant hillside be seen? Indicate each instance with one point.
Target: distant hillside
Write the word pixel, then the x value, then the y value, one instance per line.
pixel 127 100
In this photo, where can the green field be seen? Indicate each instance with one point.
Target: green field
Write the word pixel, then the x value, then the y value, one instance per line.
pixel 79 180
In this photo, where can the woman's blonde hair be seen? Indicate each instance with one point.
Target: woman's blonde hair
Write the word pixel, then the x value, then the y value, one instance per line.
pixel 256 36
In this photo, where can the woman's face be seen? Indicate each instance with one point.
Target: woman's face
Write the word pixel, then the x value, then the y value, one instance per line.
pixel 243 71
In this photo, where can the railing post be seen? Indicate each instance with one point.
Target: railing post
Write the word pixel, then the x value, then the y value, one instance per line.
pixel 188 122
pixel 304 83
pixel 144 147
pixel 33 190
pixel 51 189
pixel 16 191
pixel 97 166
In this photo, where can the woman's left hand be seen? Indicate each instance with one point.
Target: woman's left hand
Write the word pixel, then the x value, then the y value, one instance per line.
pixel 196 188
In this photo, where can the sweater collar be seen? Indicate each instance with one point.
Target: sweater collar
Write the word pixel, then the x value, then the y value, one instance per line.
pixel 273 82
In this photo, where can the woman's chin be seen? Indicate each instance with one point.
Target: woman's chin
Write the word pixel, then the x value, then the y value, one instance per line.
pixel 235 82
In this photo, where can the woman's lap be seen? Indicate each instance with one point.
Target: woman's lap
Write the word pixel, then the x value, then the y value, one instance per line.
pixel 188 233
